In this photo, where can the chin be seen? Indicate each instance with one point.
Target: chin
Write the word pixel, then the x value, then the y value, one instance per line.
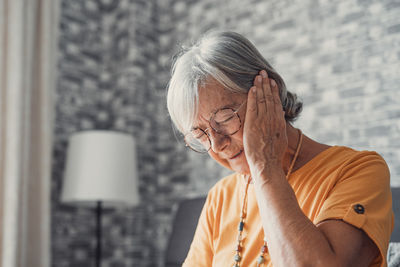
pixel 239 164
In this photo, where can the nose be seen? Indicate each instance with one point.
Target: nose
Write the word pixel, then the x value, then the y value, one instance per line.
pixel 218 141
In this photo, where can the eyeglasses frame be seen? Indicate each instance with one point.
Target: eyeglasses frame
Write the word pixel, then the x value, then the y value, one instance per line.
pixel 207 129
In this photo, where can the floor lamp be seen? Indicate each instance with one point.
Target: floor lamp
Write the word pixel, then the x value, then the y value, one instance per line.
pixel 101 170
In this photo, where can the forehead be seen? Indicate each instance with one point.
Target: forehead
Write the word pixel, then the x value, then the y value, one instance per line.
pixel 212 92
pixel 214 96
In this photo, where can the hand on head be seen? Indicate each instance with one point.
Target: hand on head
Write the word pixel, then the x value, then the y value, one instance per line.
pixel 264 134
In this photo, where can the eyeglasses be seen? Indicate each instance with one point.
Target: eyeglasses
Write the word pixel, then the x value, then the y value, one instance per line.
pixel 225 121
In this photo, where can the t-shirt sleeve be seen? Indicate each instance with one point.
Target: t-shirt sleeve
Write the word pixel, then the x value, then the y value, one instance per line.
pixel 201 252
pixel 362 198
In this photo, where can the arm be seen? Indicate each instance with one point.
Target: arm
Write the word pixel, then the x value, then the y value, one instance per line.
pixel 293 240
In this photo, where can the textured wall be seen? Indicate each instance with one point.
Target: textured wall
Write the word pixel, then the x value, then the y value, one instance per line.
pixel 341 57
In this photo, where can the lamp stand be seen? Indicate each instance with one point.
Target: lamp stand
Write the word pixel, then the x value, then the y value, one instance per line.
pixel 98 233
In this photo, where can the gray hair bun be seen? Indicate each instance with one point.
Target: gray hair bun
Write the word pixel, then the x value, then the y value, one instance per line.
pixel 292 106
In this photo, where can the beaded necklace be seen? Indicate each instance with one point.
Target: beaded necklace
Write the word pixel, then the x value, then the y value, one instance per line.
pixel 239 247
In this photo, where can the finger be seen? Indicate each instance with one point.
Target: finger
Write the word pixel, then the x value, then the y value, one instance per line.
pixel 260 97
pixel 251 109
pixel 276 97
pixel 266 87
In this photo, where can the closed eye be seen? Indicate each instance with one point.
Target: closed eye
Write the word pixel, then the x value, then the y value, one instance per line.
pixel 225 120
pixel 199 136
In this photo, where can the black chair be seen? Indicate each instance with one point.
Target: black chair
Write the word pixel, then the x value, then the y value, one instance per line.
pixel 183 229
pixel 396 209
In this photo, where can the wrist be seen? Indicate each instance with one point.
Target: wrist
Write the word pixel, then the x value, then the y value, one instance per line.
pixel 268 175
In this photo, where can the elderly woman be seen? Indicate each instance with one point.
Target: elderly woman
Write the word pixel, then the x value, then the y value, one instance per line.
pixel 292 201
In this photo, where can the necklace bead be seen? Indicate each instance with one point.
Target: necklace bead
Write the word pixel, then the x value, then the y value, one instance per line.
pixel 237 258
pixel 264 249
pixel 241 225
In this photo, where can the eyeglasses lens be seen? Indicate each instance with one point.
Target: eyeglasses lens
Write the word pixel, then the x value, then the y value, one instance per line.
pixel 225 122
pixel 198 141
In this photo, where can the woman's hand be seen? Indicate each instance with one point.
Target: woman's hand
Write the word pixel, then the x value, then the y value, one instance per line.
pixel 264 134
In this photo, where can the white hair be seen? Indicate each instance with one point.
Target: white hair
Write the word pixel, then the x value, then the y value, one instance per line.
pixel 229 58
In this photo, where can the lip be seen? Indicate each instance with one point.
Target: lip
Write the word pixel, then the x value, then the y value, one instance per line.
pixel 237 155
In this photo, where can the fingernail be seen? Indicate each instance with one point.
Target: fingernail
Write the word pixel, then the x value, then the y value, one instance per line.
pixel 264 73
pixel 273 83
pixel 259 78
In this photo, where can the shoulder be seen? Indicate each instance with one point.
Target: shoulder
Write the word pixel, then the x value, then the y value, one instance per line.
pixel 339 163
pixel 348 154
pixel 361 163
pixel 353 154
pixel 345 153
pixel 342 159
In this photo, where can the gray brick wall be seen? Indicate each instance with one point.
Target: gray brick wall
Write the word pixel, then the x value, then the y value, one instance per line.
pixel 340 57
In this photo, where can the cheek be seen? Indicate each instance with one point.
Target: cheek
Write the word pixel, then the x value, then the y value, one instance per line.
pixel 237 138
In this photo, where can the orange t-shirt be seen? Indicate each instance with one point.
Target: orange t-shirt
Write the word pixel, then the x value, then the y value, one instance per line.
pixel 327 187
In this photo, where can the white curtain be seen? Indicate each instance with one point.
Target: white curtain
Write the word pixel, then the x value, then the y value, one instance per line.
pixel 27 82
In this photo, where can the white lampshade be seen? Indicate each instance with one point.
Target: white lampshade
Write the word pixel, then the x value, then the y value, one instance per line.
pixel 101 166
